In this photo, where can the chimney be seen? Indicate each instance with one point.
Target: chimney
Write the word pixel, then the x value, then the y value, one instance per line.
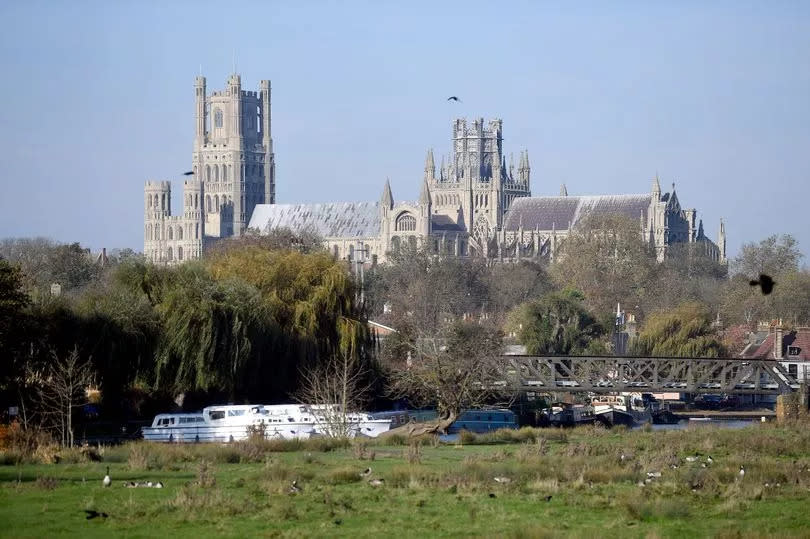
pixel 777 341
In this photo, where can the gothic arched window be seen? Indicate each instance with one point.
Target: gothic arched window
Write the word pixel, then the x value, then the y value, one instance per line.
pixel 217 118
pixel 179 233
pixel 171 233
pixel 406 223
pixel 197 231
pixel 169 253
pixel 216 203
pixel 395 244
pixel 179 253
pixel 208 202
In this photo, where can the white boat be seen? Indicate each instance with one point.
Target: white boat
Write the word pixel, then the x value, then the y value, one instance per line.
pixel 237 422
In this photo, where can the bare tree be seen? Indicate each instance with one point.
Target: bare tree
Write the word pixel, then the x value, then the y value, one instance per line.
pixel 336 389
pixel 62 389
pixel 456 369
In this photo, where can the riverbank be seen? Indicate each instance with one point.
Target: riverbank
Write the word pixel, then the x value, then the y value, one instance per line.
pixel 727 414
pixel 551 482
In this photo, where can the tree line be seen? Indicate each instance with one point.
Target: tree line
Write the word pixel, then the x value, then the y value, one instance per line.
pixel 260 314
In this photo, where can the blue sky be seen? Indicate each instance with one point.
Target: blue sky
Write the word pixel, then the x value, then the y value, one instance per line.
pixel 98 97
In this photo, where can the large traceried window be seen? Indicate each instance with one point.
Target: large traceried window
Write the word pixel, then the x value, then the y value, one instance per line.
pixel 217 118
pixel 406 223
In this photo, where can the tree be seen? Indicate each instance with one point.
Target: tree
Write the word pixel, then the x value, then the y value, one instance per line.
pixel 44 262
pixel 14 325
pixel 606 258
pixel 61 389
pixel 558 323
pixel 509 285
pixel 339 388
pixel 775 256
pixel 686 331
pixel 458 368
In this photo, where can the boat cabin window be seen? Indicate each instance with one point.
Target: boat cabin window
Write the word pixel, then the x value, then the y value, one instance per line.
pixel 233 413
pixel 166 421
pixel 216 414
pixel 191 420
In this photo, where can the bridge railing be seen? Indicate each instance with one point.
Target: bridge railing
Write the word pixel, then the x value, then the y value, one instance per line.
pixel 604 374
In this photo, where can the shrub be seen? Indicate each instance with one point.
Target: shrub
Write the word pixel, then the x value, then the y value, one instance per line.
pixel 343 475
pixel 466 437
pixel 47 483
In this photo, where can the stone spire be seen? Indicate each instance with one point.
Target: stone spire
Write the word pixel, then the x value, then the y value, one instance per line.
pixel 424 195
pixel 387 200
pixel 721 240
pixel 430 167
pixel 656 189
pixel 563 190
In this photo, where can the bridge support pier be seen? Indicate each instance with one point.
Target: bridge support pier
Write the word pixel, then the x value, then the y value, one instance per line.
pixel 793 406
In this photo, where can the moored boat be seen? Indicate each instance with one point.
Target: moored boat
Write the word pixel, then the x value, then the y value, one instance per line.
pixel 237 422
pixel 625 409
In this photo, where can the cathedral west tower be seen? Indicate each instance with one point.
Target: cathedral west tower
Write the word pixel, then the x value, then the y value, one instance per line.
pixel 233 170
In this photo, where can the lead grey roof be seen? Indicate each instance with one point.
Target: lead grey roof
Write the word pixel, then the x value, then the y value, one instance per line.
pixel 328 220
pixel 545 213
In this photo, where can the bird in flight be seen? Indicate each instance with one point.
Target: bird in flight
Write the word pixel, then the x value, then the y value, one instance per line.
pixel 454 98
pixel 765 282
pixel 189 173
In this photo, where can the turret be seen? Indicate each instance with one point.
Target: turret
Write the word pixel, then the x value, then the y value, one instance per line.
pixel 235 91
pixel 387 199
pixel 199 111
pixel 656 189
pixel 721 241
pixel 424 210
pixel 524 169
pixel 157 208
pixel 430 167
pixel 267 143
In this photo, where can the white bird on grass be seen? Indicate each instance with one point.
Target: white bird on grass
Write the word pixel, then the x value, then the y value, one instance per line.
pixel 742 472
pixel 376 482
pixel 502 480
pixel 107 481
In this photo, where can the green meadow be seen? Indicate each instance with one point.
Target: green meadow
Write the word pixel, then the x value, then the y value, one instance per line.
pixel 552 483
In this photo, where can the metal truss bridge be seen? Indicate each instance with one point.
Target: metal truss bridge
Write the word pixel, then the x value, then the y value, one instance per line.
pixel 608 374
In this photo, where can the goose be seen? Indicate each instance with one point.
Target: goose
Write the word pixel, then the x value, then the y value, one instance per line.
pixel 702 464
pixel 692 459
pixel 294 488
pixel 159 484
pixel 548 498
pixel 93 514
pixel 366 472
pixel 709 459
pixel 742 472
pixel 376 482
pixel 107 481
pixel 653 475
pixel 149 484
pixel 674 466
pixel 502 480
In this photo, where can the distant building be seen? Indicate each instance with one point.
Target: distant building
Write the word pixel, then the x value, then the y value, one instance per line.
pixel 233 168
pixel 790 346
pixel 475 204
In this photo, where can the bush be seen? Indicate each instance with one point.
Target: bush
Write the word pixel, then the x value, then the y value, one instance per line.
pixel 343 475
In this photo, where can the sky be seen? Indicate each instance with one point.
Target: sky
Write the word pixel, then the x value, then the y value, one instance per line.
pixel 98 98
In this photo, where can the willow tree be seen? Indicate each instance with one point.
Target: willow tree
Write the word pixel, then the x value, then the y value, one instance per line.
pixel 213 332
pixel 686 331
pixel 557 323
pixel 312 294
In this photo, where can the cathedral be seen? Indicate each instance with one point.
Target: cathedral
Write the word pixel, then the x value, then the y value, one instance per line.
pixel 474 203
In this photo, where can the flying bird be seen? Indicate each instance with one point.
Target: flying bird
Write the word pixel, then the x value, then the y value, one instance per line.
pixel 454 98
pixel 189 173
pixel 765 282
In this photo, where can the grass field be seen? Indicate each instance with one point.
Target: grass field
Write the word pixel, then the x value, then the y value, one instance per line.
pixel 430 490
